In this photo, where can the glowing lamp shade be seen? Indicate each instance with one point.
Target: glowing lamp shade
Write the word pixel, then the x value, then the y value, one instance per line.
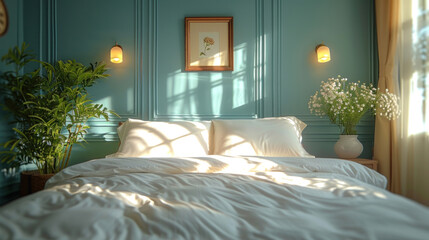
pixel 323 53
pixel 116 54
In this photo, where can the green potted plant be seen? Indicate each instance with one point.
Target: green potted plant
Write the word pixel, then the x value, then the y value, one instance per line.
pixel 50 108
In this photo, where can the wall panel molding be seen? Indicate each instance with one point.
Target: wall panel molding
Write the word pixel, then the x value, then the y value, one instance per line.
pixel 100 129
pixel 20 21
pixel 52 31
pixel 267 91
pixel 48 25
pixel 138 73
pixel 153 60
pixel 322 130
pixel 18 17
pixel 9 185
pixel 259 70
pixel 277 58
pixel 367 123
pixel 259 61
pixel 373 61
pixel 138 91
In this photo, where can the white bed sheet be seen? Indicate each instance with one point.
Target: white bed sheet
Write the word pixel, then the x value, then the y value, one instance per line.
pixel 215 197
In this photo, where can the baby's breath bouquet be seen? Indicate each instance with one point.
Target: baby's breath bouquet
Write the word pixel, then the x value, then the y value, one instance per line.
pixel 346 102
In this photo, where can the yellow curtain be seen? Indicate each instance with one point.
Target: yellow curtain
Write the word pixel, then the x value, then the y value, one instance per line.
pixel 385 142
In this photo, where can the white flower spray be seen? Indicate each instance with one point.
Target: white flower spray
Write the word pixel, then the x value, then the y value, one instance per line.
pixel 346 102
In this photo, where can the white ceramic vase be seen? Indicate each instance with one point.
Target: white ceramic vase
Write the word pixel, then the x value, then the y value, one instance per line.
pixel 348 146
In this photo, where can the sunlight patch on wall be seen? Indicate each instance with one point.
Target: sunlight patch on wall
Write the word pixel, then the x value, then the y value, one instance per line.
pixel 130 100
pixel 240 97
pixel 187 92
pixel 239 86
pixel 181 91
pixel 240 57
pixel 216 93
pixel 178 83
pixel 260 63
pixel 106 101
pixel 217 59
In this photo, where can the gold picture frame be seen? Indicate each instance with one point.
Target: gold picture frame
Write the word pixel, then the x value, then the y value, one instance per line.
pixel 209 44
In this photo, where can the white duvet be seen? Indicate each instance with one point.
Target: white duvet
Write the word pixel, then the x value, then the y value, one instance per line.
pixel 215 197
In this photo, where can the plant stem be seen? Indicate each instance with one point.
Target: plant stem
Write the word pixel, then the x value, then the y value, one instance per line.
pixel 78 129
pixel 68 155
pixel 62 164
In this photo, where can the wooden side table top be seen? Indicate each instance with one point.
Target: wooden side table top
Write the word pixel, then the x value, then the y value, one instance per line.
pixel 366 162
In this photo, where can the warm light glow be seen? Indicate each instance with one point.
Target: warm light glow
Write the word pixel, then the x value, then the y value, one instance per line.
pixel 130 198
pixel 323 53
pixel 238 144
pixel 415 81
pixel 218 59
pixel 116 54
pixel 260 169
pixel 173 140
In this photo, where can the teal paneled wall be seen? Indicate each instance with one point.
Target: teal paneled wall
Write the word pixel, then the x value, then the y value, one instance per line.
pixel 275 64
pixel 89 37
pixel 14 36
pixel 180 94
pixel 346 27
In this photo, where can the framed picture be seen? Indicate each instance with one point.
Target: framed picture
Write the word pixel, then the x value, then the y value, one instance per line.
pixel 209 44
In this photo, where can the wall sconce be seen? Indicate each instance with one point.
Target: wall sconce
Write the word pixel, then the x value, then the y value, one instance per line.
pixel 323 53
pixel 116 54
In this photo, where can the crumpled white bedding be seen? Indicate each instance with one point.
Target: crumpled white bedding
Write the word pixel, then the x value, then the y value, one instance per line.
pixel 215 197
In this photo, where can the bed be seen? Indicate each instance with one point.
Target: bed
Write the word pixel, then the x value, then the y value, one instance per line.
pixel 214 180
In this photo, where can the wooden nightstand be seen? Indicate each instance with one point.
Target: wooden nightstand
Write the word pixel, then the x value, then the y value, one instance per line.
pixel 366 162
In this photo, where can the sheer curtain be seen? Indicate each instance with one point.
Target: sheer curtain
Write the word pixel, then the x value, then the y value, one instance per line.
pixel 413 81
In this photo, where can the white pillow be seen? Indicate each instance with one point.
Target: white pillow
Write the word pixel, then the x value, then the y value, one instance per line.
pixel 162 139
pixel 275 137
